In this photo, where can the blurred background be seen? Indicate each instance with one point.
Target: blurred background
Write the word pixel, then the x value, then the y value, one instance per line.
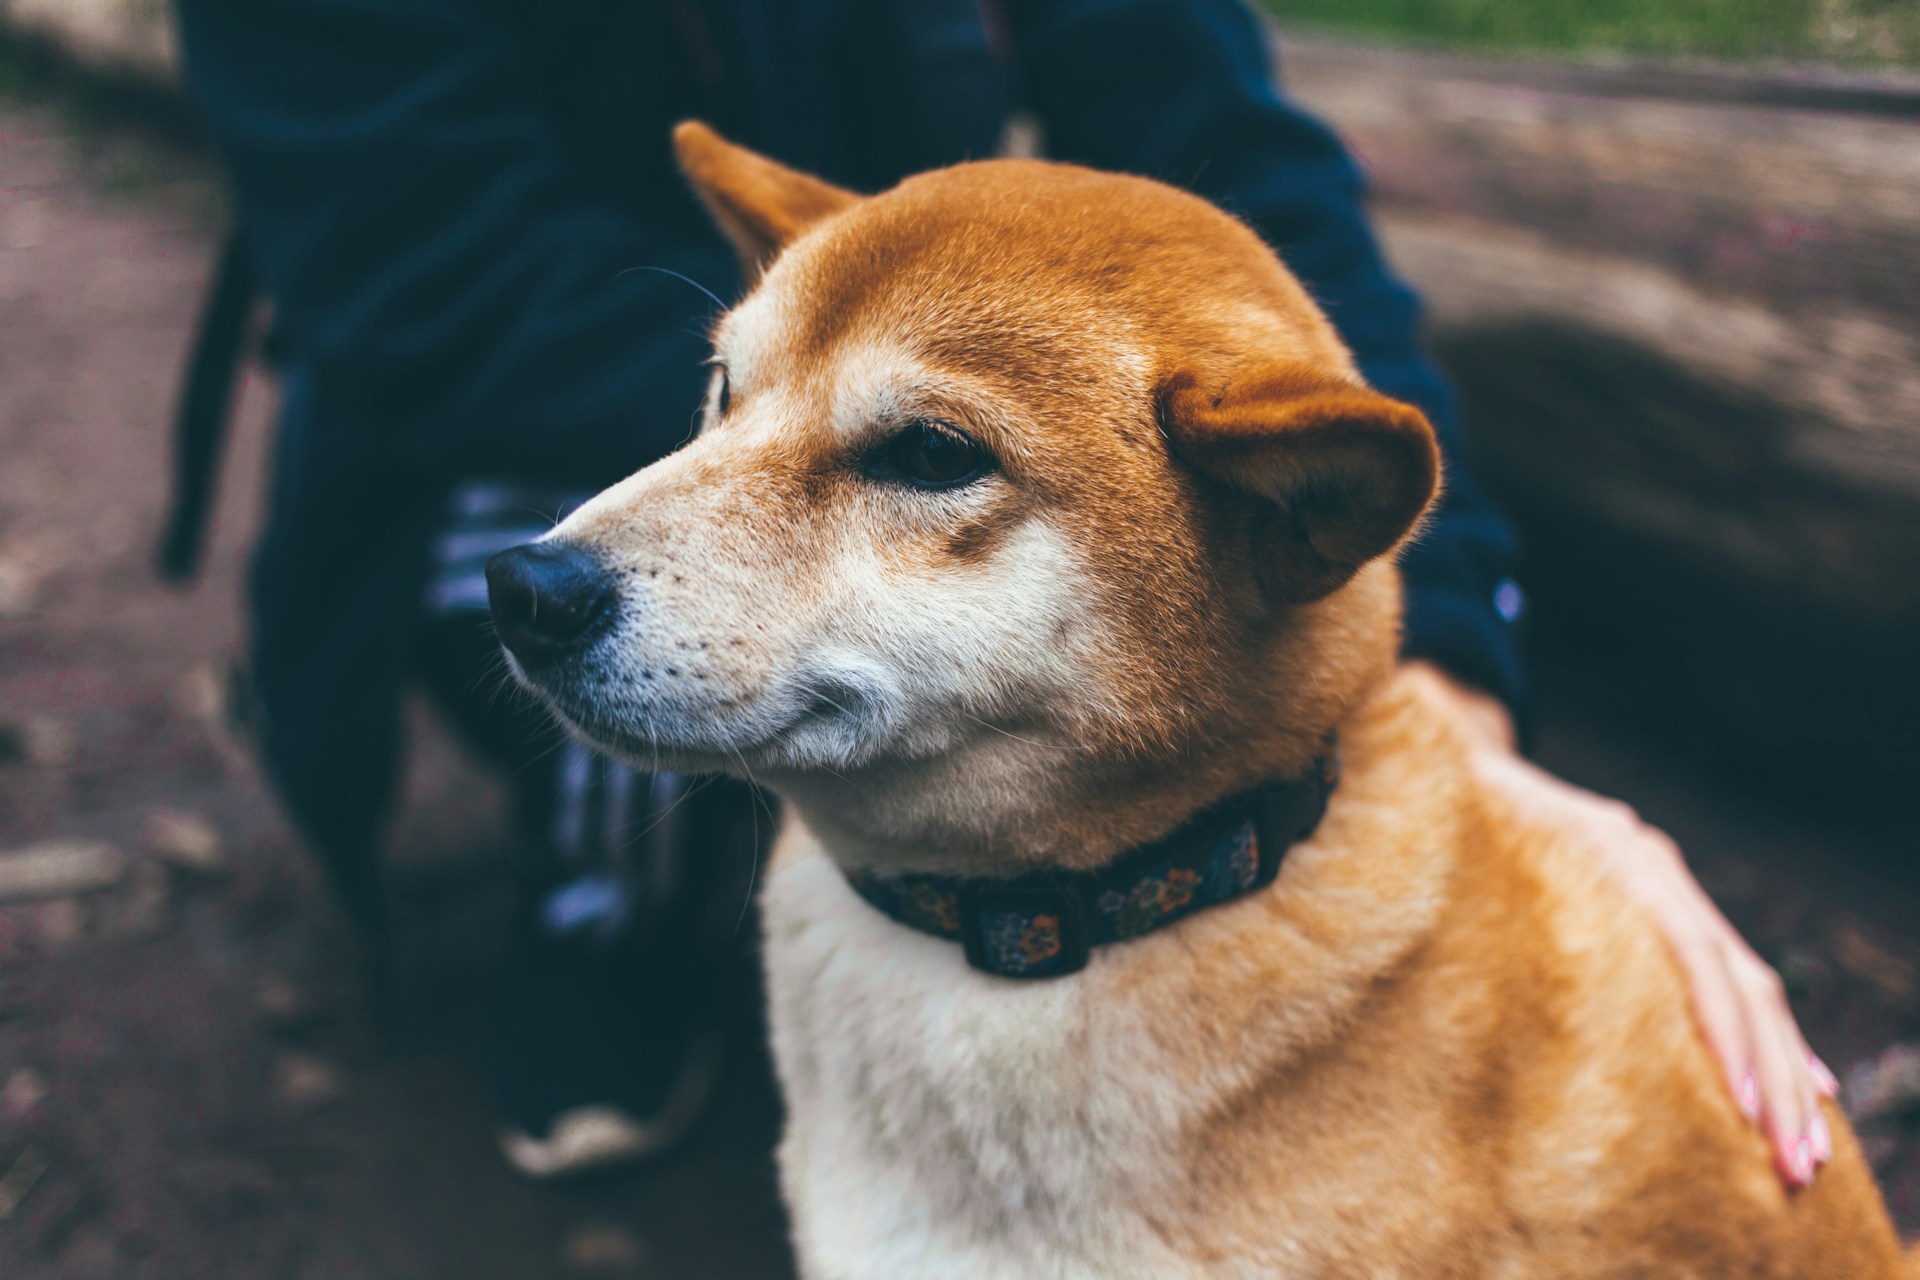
pixel 1671 250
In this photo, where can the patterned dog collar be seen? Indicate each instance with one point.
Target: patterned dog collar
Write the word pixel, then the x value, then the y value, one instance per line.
pixel 1045 925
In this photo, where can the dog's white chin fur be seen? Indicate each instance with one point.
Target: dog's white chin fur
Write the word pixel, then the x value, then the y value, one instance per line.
pixel 794 731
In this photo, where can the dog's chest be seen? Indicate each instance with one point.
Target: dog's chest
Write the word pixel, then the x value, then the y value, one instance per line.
pixel 943 1122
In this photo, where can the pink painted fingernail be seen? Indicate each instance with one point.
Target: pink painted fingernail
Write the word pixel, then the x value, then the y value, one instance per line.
pixel 1823 1079
pixel 1800 1167
pixel 1821 1139
pixel 1749 1096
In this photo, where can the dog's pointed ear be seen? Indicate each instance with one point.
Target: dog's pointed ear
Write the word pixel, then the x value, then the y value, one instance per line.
pixel 1341 473
pixel 760 204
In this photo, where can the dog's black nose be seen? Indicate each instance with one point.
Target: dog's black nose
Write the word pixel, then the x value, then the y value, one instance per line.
pixel 547 598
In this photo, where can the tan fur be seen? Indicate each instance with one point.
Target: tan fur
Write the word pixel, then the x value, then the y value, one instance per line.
pixel 1438 1046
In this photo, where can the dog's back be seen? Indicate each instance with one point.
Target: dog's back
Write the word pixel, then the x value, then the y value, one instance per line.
pixel 1618 1142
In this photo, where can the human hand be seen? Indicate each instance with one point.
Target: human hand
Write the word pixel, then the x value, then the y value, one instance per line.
pixel 1741 1007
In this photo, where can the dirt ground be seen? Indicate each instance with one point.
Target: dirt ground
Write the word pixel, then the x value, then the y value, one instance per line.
pixel 188 1086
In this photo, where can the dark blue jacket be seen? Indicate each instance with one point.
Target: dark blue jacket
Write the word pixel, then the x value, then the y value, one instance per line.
pixel 443 197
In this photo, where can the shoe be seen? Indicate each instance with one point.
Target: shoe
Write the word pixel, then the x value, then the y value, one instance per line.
pixel 603 1135
pixel 600 1058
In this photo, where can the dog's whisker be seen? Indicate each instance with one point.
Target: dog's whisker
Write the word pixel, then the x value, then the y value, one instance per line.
pixel 669 271
pixel 653 824
pixel 753 869
pixel 1032 742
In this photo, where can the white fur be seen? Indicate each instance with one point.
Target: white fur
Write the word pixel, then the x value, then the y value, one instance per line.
pixel 943 1122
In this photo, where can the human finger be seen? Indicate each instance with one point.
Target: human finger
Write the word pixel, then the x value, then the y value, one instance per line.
pixel 1787 1094
pixel 1718 1007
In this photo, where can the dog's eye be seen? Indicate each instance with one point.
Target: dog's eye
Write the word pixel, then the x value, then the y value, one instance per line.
pixel 933 457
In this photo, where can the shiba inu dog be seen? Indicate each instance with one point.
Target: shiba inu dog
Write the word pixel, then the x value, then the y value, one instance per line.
pixel 1134 915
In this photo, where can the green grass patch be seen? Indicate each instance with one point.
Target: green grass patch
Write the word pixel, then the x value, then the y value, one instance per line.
pixel 1855 32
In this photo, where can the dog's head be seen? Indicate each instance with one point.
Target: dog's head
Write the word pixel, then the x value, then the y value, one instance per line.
pixel 1033 508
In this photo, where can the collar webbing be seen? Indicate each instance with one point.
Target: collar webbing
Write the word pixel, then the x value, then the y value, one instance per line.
pixel 1044 925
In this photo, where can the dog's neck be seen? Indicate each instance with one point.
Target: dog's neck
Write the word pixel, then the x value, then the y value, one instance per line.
pixel 1006 803
pixel 1024 813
